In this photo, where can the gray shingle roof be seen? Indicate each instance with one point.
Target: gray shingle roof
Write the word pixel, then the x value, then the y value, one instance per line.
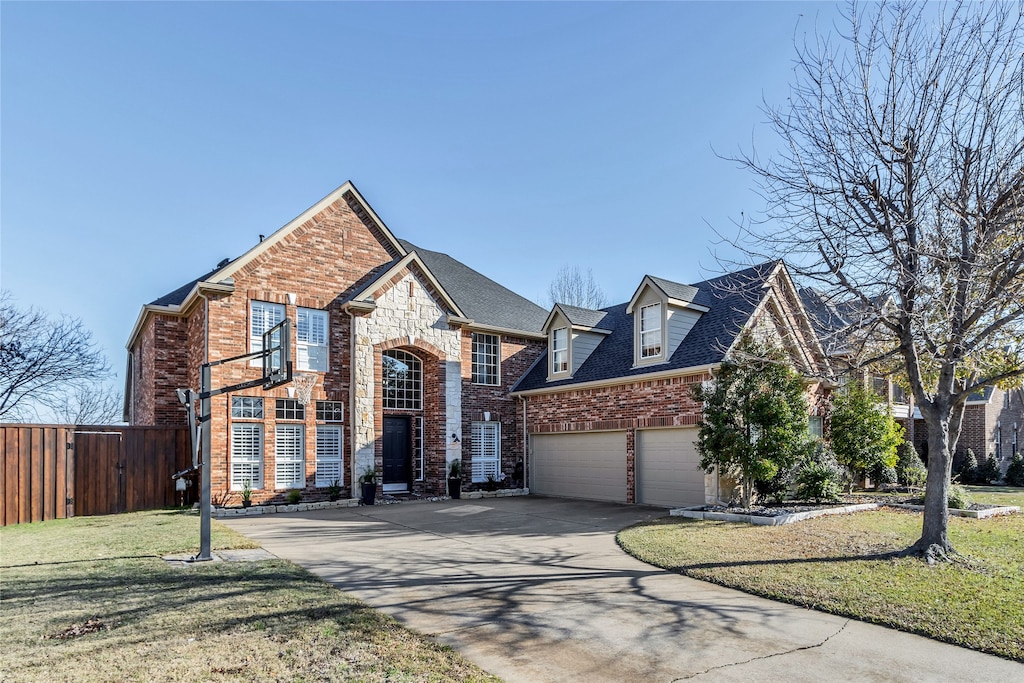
pixel 178 295
pixel 480 298
pixel 675 290
pixel 731 300
pixel 583 317
pixel 828 320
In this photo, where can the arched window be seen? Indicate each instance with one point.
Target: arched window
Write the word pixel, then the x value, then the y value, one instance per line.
pixel 402 380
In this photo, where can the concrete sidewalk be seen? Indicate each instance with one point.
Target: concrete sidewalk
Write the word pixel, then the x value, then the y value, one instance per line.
pixel 535 589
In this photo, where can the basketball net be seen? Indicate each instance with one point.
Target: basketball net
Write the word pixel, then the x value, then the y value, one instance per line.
pixel 302 384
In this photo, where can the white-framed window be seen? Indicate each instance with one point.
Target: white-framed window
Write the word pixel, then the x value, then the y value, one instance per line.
pixel 815 425
pixel 311 340
pixel 486 450
pixel 560 350
pixel 262 316
pixel 486 359
pixel 289 460
pixel 330 411
pixel 246 455
pixel 650 331
pixel 402 380
pixel 247 407
pixel 1013 444
pixel 999 441
pixel 289 409
pixel 328 456
pixel 418 465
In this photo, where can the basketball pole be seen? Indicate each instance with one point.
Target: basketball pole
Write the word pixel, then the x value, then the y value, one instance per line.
pixel 206 477
pixel 273 376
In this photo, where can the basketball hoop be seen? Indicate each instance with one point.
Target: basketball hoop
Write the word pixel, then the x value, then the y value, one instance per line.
pixel 302 387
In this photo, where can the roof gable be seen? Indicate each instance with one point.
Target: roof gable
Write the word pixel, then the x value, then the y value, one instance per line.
pixel 586 319
pixel 672 293
pixel 391 275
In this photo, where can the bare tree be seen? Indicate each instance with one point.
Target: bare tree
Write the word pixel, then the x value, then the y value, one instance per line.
pixel 41 359
pixel 92 403
pixel 571 286
pixel 899 187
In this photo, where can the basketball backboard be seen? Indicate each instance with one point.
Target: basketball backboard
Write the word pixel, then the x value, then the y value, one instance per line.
pixel 277 347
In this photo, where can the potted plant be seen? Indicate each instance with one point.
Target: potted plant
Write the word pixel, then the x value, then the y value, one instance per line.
pixel 455 478
pixel 368 482
pixel 334 490
pixel 246 493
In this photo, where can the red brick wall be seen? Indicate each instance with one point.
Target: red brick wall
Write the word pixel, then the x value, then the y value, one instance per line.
pixel 160 367
pixel 644 403
pixel 517 355
pixel 320 262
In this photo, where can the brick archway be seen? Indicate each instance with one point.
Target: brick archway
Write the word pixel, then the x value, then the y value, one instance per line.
pixel 427 425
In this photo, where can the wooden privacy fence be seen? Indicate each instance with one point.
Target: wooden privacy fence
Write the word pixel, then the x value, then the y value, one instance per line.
pixel 58 471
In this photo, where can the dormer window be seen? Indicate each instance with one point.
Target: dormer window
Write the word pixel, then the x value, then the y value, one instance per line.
pixel 650 331
pixel 560 350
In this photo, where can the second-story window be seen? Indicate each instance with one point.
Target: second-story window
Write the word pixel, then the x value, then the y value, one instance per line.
pixel 650 331
pixel 560 350
pixel 311 340
pixel 262 316
pixel 486 365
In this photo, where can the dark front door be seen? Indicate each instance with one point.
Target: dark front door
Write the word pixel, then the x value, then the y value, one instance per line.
pixel 396 454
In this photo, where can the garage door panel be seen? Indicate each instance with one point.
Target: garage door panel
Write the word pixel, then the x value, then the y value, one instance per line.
pixel 667 468
pixel 589 465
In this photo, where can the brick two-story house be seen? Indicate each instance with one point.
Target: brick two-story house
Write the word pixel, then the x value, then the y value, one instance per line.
pixel 419 359
pixel 413 354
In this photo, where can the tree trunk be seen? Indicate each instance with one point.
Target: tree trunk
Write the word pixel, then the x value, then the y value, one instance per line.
pixel 934 542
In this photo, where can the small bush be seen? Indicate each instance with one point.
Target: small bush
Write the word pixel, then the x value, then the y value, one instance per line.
pixel 818 482
pixel 778 487
pixel 884 476
pixel 1015 472
pixel 910 471
pixel 968 471
pixel 988 471
pixel 294 496
pixel 958 498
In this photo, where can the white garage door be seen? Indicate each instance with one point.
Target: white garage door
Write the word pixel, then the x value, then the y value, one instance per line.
pixel 666 469
pixel 588 465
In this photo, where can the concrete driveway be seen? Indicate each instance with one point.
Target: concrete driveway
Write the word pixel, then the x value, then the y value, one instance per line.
pixel 535 589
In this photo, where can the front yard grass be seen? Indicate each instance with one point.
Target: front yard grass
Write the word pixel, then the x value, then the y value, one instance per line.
pixel 850 565
pixel 89 599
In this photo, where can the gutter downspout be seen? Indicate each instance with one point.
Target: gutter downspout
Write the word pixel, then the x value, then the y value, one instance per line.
pixel 526 447
pixel 352 401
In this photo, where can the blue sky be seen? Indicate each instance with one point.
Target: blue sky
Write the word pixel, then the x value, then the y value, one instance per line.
pixel 141 143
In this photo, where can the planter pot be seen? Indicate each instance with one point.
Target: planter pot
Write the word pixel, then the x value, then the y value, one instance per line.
pixel 455 488
pixel 369 491
pixel 247 503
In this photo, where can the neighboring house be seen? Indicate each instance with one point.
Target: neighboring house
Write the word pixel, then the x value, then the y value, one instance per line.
pixel 993 419
pixel 609 408
pixel 832 323
pixel 413 353
pixel 993 425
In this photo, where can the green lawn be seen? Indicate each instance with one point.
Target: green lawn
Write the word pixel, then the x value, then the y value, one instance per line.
pixel 89 599
pixel 849 565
